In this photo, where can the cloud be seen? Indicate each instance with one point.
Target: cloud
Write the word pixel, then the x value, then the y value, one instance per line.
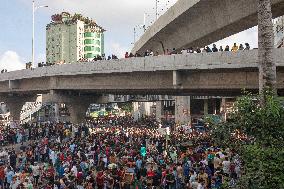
pixel 248 36
pixel 118 17
pixel 118 50
pixel 11 61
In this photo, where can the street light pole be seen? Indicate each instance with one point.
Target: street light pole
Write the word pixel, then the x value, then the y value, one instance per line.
pixel 156 9
pixel 33 35
pixel 134 35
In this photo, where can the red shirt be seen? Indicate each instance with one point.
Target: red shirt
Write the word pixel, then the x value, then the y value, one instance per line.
pixel 100 179
pixel 150 173
pixel 50 172
pixel 2 173
pixel 80 175
pixel 61 156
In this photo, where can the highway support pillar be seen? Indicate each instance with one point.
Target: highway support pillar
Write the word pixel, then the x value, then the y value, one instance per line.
pixel 205 110
pixel 15 107
pixel 136 111
pixel 77 110
pixel 182 110
pixel 159 110
pixel 223 109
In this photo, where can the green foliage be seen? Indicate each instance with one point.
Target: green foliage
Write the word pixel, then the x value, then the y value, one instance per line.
pixel 263 167
pixel 263 123
pixel 127 106
pixel 262 149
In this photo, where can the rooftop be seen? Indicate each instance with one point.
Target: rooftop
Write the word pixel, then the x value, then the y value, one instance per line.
pixel 67 18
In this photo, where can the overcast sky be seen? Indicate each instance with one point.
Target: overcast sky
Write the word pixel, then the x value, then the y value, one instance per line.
pixel 118 17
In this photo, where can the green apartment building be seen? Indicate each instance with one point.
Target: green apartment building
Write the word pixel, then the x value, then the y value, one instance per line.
pixel 73 38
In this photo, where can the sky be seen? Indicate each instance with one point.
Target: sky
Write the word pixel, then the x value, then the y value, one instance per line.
pixel 118 17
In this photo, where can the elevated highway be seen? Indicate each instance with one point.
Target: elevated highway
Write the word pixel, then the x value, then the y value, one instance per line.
pixel 196 23
pixel 222 74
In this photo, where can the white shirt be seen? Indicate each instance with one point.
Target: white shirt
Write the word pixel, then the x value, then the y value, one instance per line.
pixel 74 170
pixel 35 170
pixel 200 186
pixel 226 166
pixel 184 52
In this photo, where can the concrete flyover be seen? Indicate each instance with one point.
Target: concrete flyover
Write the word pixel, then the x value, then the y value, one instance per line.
pixel 222 74
pixel 196 23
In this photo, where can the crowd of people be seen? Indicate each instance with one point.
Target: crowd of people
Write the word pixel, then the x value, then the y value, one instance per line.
pixel 113 153
pixel 206 49
pixel 4 71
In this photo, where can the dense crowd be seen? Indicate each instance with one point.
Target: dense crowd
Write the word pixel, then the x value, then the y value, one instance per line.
pixel 206 49
pixel 114 153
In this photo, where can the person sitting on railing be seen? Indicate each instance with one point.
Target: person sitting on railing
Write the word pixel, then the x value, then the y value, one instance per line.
pixel 114 57
pixel 247 46
pixel 126 55
pixel 198 50
pixel 174 51
pixel 235 47
pixel 183 51
pixel 190 50
pixel 103 56
pixel 99 57
pixel 167 52
pixel 214 49
pixel 227 48
pixel 137 55
pixel 208 49
pixel 221 49
pixel 147 53
pixel 241 48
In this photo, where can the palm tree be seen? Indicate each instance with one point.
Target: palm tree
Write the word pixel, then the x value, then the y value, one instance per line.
pixel 267 67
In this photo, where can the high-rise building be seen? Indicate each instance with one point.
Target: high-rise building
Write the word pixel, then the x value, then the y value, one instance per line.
pixel 71 38
pixel 279 32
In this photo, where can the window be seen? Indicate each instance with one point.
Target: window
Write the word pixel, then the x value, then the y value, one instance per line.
pixel 89 41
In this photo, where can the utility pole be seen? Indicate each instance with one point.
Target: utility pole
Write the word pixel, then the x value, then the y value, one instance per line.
pixel 134 32
pixel 156 9
pixel 144 23
pixel 33 34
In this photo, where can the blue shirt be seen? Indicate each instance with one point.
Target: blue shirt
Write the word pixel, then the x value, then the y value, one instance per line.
pixel 139 163
pixel 9 176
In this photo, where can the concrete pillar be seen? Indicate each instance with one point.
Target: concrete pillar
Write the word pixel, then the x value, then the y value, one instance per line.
pixel 136 113
pixel 145 108
pixel 214 106
pixel 223 109
pixel 159 110
pixel 205 107
pixel 141 109
pixel 182 110
pixel 15 106
pixel 77 110
pixel 56 111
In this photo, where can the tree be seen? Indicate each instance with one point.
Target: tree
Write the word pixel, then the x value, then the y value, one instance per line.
pixel 267 67
pixel 257 133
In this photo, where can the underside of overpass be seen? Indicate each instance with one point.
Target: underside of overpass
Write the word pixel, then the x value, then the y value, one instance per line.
pixel 197 23
pixel 218 82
